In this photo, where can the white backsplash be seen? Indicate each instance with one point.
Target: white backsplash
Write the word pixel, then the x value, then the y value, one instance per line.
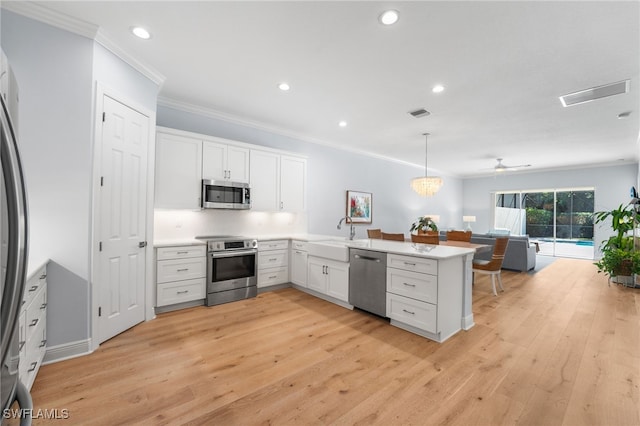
pixel 180 224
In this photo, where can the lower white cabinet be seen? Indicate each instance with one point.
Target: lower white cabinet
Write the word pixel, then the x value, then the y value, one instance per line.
pixel 273 263
pixel 299 259
pixel 180 274
pixel 424 295
pixel 33 327
pixel 328 277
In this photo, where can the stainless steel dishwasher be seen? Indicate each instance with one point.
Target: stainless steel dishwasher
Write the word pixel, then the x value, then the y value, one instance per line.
pixel 368 281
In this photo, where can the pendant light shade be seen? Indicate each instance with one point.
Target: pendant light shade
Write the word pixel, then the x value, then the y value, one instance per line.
pixel 426 185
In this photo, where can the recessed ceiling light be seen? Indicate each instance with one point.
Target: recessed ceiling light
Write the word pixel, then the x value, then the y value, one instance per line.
pixel 389 17
pixel 141 32
pixel 438 88
pixel 284 86
pixel 342 123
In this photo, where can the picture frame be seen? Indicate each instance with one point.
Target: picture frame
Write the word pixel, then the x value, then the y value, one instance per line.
pixel 359 206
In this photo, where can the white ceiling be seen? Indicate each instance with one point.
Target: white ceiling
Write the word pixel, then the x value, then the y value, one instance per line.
pixel 503 64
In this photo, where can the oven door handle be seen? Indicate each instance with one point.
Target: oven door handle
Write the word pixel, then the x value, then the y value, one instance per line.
pixel 233 253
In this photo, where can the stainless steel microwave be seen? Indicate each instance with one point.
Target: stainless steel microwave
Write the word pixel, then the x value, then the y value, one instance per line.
pixel 222 194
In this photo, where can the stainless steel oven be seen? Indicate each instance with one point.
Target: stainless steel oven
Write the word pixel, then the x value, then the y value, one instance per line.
pixel 231 269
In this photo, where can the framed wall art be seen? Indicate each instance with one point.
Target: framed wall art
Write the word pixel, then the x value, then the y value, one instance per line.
pixel 359 206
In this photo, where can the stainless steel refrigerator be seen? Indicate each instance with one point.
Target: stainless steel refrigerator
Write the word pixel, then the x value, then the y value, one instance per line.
pixel 13 251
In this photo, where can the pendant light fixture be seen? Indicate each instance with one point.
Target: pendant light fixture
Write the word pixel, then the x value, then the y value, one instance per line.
pixel 426 185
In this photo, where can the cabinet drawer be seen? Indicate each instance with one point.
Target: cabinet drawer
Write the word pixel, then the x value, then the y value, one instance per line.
pixel 36 313
pixel 272 276
pixel 412 312
pixel 37 281
pixel 183 252
pixel 415 264
pixel 272 259
pixel 181 269
pixel 273 245
pixel 423 287
pixel 182 291
pixel 299 245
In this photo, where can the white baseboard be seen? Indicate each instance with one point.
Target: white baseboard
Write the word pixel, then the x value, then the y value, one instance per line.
pixel 67 351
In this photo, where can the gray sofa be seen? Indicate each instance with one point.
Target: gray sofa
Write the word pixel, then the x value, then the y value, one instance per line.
pixel 520 254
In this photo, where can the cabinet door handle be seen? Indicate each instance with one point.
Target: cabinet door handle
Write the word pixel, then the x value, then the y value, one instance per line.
pixel 33 288
pixel 182 270
pixel 281 205
pixel 409 312
pixel 409 264
pixel 182 252
pixel 273 259
pixel 43 343
pixel 43 306
pixel 409 285
pixel 183 292
pixel 34 322
pixel 43 276
pixel 273 277
pixel 33 367
pixel 20 346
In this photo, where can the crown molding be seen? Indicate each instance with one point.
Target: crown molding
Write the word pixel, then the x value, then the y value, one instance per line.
pixel 51 17
pixel 81 28
pixel 229 118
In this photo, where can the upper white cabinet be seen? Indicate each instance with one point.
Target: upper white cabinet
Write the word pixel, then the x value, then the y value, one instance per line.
pixel 293 175
pixel 178 172
pixel 277 181
pixel 221 161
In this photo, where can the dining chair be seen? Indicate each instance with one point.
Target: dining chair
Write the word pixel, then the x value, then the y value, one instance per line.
pixel 459 236
pixel 493 267
pixel 374 233
pixel 425 239
pixel 395 237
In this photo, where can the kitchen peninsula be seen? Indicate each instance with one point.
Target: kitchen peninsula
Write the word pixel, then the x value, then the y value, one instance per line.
pixel 428 287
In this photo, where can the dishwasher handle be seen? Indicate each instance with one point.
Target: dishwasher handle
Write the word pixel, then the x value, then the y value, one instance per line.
pixel 375 259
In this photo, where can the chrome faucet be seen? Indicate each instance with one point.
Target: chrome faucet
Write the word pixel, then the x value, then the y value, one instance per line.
pixel 352 231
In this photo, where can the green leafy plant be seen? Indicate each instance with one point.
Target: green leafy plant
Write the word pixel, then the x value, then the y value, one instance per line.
pixel 424 223
pixel 619 258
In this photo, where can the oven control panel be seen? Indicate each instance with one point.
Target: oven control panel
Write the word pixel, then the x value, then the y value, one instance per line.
pixel 230 245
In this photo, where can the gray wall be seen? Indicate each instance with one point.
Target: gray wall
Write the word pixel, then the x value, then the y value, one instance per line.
pixel 331 172
pixel 611 189
pixel 56 72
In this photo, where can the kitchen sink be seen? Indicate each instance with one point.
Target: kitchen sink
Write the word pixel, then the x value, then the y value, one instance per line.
pixel 334 249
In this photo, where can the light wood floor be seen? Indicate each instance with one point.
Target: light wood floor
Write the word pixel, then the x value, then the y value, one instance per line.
pixel 556 348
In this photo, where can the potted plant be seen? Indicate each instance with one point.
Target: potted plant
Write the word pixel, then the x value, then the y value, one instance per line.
pixel 424 224
pixel 619 257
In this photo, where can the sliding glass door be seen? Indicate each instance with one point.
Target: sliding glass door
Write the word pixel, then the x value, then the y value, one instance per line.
pixel 558 221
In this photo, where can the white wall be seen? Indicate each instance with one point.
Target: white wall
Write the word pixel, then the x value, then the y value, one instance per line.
pixel 56 72
pixel 330 173
pixel 611 189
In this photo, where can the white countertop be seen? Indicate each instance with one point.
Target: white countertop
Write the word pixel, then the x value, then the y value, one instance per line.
pixel 411 249
pixel 178 242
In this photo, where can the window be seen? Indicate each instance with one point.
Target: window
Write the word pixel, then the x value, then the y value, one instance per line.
pixel 560 221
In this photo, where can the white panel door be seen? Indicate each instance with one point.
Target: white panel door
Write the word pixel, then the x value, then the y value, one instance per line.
pixel 122 216
pixel 265 181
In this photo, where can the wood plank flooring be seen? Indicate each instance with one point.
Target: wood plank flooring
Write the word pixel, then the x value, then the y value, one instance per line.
pixel 559 347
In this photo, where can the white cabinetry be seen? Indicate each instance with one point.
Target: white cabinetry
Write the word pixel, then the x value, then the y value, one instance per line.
pixel 329 277
pixel 423 295
pixel 32 328
pixel 178 172
pixel 180 274
pixel 299 258
pixel 273 263
pixel 222 161
pixel 277 181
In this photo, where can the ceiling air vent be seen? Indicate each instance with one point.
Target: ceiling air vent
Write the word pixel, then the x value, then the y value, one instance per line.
pixel 594 93
pixel 420 113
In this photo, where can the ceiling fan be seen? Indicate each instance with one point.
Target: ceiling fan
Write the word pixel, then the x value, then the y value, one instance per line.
pixel 501 167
